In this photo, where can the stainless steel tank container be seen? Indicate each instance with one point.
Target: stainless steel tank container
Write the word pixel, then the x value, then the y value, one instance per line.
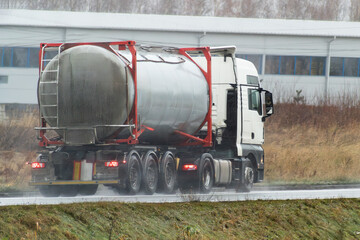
pixel 96 89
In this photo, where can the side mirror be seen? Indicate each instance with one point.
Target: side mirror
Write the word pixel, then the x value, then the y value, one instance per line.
pixel 269 105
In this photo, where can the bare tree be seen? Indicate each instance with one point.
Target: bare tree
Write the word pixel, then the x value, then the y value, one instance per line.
pixel 249 8
pixel 355 10
pixel 293 9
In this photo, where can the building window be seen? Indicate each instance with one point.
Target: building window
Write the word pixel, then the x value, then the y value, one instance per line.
pixel 256 59
pixel 19 57
pixel 336 66
pixel 302 65
pixel 351 66
pixel 272 65
pixel 348 67
pixel 318 66
pixel 34 58
pixel 287 65
pixel 295 65
pixel 6 57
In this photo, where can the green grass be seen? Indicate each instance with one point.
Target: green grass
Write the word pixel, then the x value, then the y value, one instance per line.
pixel 302 219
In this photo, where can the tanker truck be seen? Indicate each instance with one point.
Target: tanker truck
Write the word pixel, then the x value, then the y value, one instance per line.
pixel 147 119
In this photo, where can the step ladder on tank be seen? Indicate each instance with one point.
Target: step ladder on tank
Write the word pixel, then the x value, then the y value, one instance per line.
pixel 54 81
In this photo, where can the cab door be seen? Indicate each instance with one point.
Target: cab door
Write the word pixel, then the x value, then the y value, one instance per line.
pixel 252 131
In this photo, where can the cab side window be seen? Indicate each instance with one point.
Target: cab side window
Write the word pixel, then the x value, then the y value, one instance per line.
pixel 255 101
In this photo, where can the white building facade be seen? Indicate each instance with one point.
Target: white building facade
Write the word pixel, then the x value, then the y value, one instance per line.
pixel 320 58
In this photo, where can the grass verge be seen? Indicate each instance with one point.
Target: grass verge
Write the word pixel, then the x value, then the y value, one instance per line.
pixel 302 219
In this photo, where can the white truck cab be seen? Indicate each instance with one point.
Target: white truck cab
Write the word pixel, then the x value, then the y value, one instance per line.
pixel 239 109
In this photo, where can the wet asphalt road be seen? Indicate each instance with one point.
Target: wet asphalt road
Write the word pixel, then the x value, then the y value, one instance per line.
pixel 261 192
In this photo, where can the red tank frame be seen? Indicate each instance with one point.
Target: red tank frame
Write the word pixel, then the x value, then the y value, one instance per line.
pixel 138 130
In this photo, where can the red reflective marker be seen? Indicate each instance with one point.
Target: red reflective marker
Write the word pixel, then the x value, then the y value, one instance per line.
pixel 35 165
pixel 112 164
pixel 189 167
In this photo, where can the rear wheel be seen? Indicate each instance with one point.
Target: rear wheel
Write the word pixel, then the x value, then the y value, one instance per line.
pixel 133 179
pixel 206 176
pixel 167 173
pixel 150 178
pixel 88 190
pixel 69 190
pixel 50 191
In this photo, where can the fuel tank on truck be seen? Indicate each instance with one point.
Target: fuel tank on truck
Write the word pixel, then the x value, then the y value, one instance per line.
pixel 94 94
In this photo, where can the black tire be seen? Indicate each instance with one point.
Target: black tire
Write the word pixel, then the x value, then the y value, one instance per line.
pixel 133 176
pixel 69 190
pixel 87 190
pixel 249 177
pixel 50 191
pixel 206 176
pixel 151 174
pixel 168 174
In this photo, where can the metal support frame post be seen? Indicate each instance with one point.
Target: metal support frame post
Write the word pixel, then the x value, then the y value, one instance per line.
pixel 207 141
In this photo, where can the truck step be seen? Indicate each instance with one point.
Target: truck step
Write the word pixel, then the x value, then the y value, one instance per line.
pixel 49 105
pixel 48 82
pixel 50 71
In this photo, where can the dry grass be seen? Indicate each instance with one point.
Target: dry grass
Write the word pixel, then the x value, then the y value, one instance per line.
pixel 14 172
pixel 18 146
pixel 18 134
pixel 313 143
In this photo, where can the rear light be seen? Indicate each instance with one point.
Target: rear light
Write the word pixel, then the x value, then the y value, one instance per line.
pixel 36 165
pixel 112 164
pixel 189 167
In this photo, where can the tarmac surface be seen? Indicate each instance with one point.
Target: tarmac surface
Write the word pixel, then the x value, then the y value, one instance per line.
pixel 279 192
